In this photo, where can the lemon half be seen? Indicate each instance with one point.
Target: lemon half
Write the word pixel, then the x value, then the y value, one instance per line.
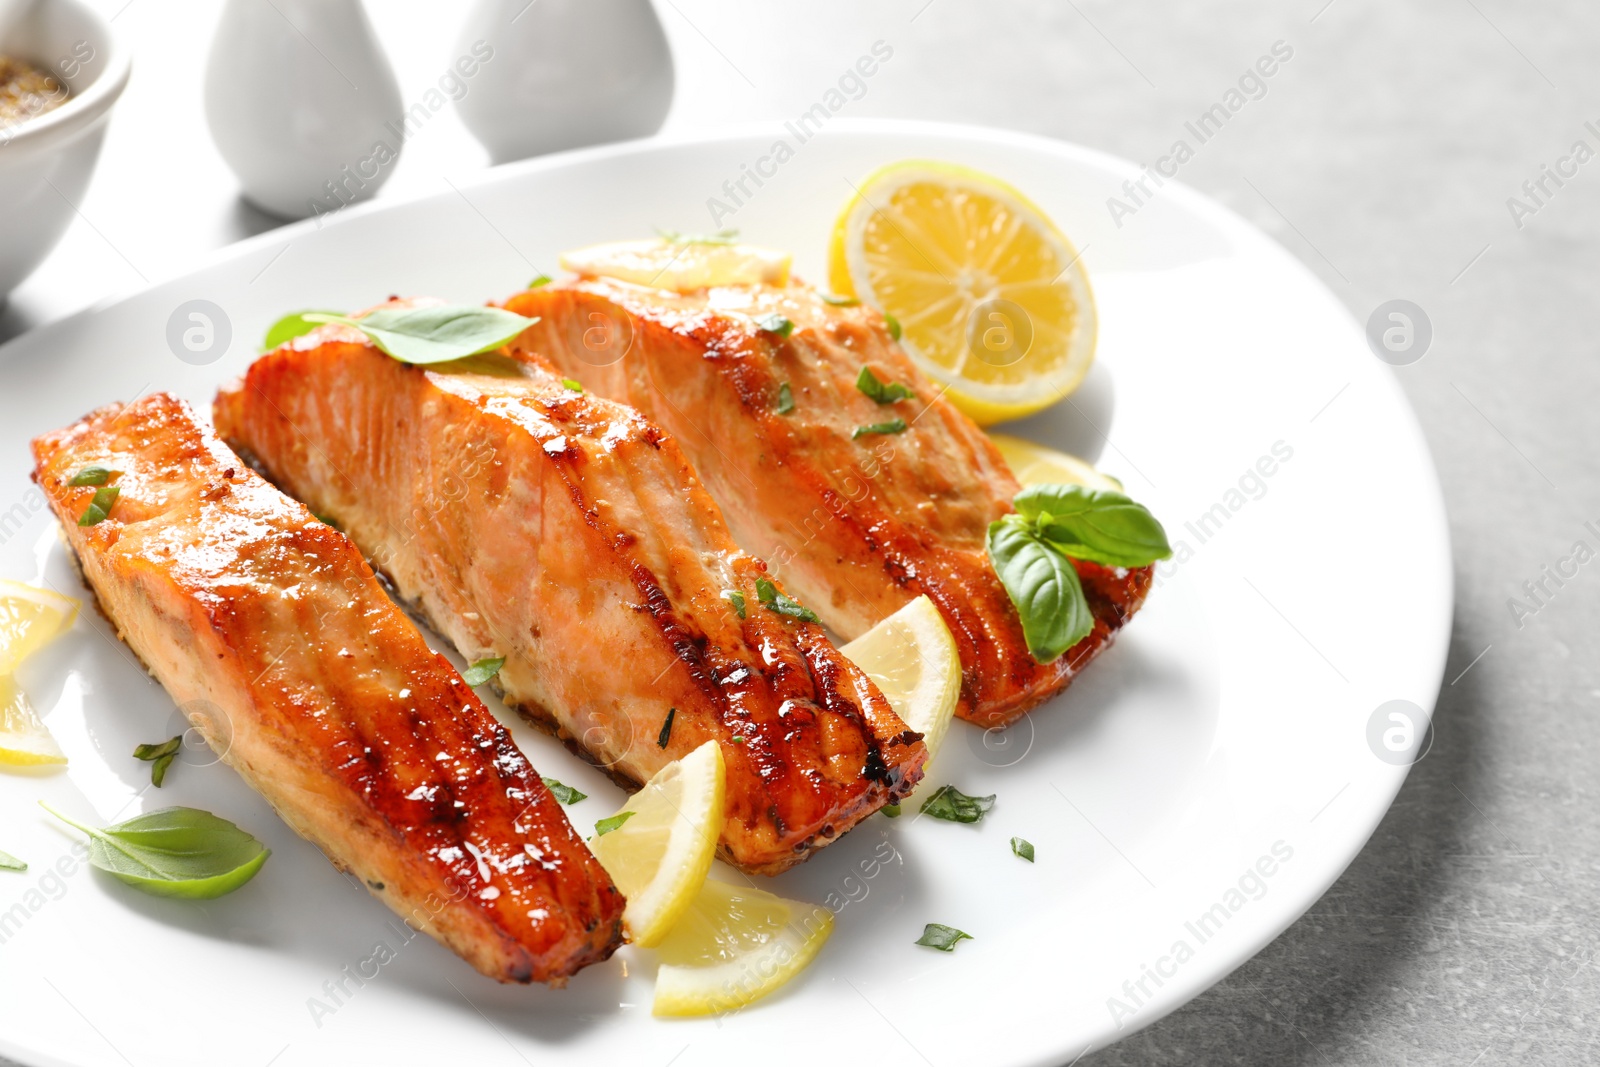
pixel 913 659
pixel 991 298
pixel 733 946
pixel 659 857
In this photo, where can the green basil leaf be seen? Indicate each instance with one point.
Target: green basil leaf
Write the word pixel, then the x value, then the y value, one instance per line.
pixel 665 735
pixel 952 805
pixel 161 756
pixel 736 598
pixel 785 399
pixel 539 281
pixel 1023 848
pixel 424 335
pixel 721 237
pixel 174 852
pixel 100 506
pixel 892 426
pixel 839 301
pixel 942 937
pixel 893 324
pixel 8 862
pixel 482 671
pixel 1095 524
pixel 562 792
pixel 606 825
pixel 572 384
pixel 879 390
pixel 93 475
pixel 292 325
pixel 776 601
pixel 1041 582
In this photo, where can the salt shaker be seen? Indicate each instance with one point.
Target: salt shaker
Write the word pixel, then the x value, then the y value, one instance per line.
pixel 565 73
pixel 303 104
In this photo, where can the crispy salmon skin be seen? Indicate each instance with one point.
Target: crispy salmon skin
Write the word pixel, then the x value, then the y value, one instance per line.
pixel 859 505
pixel 274 635
pixel 567 534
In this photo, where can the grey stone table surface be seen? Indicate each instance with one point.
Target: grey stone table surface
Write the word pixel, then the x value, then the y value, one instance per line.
pixel 1390 155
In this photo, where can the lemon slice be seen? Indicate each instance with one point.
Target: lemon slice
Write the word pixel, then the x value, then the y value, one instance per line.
pixel 30 618
pixel 684 264
pixel 24 740
pixel 913 659
pixel 733 946
pixel 990 296
pixel 1037 465
pixel 660 854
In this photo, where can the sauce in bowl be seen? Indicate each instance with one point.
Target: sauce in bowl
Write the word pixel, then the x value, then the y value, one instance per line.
pixel 27 91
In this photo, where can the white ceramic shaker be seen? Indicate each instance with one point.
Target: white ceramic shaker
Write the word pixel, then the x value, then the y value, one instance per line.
pixel 303 104
pixel 565 73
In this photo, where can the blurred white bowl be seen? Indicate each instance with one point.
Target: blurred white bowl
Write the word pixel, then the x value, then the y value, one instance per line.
pixel 46 160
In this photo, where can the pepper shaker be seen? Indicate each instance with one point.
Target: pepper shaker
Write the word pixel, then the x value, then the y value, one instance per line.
pixel 565 73
pixel 303 104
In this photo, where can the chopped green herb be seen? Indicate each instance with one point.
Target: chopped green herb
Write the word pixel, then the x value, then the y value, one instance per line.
pixel 892 426
pixel 482 671
pixel 785 399
pixel 605 826
pixel 91 476
pixel 891 810
pixel 540 279
pixel 100 506
pixel 174 852
pixel 736 598
pixel 893 324
pixel 879 390
pixel 737 739
pixel 942 937
pixel 1022 848
pixel 564 793
pixel 161 755
pixel 776 323
pixel 952 805
pixel 721 237
pixel 666 729
pixel 8 862
pixel 839 301
pixel 776 601
pixel 573 384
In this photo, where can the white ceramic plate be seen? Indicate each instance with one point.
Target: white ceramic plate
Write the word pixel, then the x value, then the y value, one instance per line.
pixel 1190 796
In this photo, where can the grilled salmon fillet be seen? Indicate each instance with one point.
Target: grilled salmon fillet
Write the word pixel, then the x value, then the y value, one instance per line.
pixel 856 523
pixel 568 535
pixel 270 629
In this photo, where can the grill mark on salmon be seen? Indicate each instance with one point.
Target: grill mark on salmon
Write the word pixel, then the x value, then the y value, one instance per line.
pixel 270 629
pixel 856 527
pixel 568 534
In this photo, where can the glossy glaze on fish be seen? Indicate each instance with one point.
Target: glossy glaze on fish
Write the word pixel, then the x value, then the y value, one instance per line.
pixel 568 534
pixel 273 634
pixel 857 524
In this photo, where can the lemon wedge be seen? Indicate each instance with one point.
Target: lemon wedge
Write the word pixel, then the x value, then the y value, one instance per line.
pixel 683 264
pixel 913 659
pixel 659 854
pixel 30 618
pixel 990 297
pixel 733 946
pixel 1037 465
pixel 24 740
